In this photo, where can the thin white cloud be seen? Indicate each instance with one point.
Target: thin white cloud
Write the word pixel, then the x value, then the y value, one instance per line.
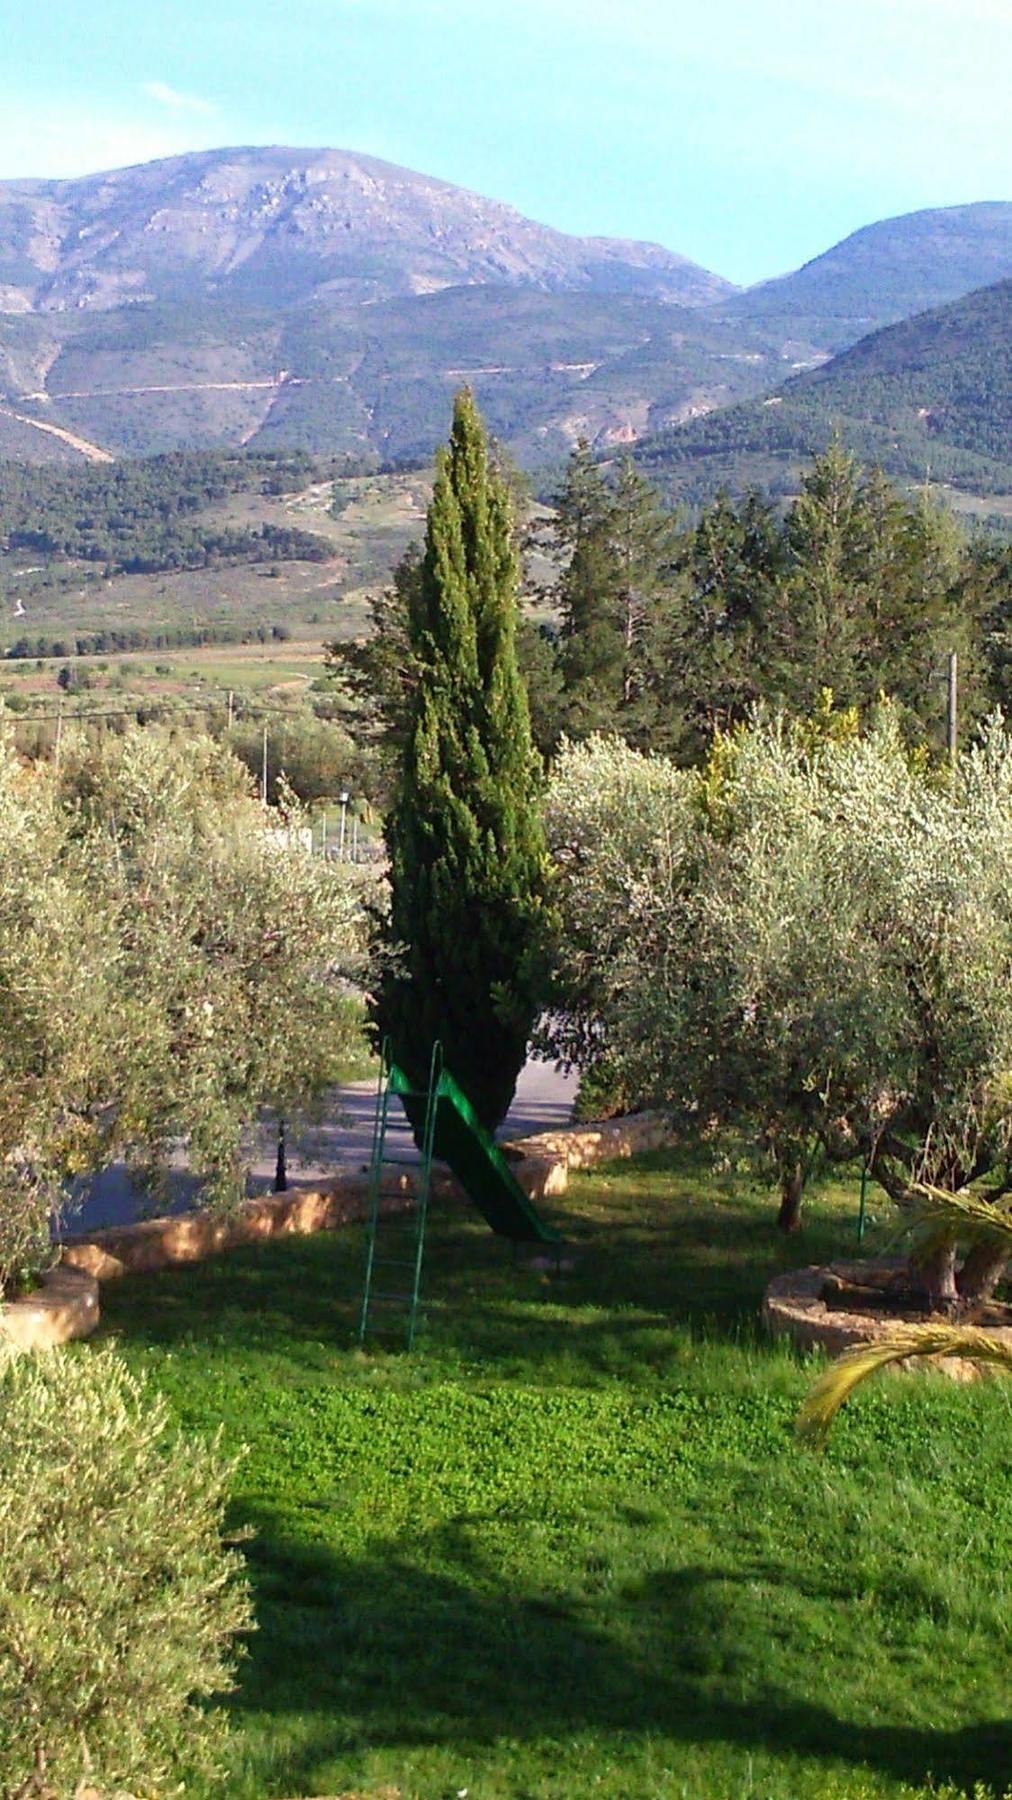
pixel 961 12
pixel 175 101
pixel 686 22
pixel 58 140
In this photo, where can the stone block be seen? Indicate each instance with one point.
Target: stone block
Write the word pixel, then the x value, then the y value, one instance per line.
pixel 62 1307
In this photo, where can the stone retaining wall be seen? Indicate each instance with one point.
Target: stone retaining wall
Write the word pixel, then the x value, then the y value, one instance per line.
pixel 580 1146
pixel 63 1306
pixel 66 1305
pixel 193 1236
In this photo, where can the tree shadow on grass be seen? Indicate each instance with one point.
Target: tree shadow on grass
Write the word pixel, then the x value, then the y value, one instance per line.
pixel 635 1275
pixel 383 1653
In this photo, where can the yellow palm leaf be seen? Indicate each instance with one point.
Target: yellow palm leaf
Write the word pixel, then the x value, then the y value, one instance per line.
pixel 843 1376
pixel 965 1212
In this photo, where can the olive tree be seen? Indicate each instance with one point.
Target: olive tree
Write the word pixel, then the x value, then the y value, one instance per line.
pixel 236 946
pixel 59 960
pixel 612 815
pixel 171 963
pixel 810 942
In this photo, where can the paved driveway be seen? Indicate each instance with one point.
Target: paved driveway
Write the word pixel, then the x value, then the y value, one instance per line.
pixel 543 1101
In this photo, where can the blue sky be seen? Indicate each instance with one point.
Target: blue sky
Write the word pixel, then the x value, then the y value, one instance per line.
pixel 748 134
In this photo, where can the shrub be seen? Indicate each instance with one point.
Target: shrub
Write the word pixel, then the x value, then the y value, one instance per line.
pixel 118 1603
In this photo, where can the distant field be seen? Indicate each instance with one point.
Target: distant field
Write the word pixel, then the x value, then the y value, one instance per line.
pixel 296 607
pixel 261 666
pixel 373 521
pixel 975 507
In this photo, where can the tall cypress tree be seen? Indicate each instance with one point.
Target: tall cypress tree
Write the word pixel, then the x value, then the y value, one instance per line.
pixel 468 867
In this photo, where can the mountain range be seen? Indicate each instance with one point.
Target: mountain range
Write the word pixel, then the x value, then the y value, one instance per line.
pixel 279 226
pixel 881 274
pixel 323 299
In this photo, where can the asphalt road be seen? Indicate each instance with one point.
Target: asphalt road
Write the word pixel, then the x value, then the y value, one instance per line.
pixel 543 1101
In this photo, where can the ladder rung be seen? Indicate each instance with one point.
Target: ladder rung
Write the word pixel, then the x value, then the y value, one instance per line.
pixel 390 1262
pixel 391 1299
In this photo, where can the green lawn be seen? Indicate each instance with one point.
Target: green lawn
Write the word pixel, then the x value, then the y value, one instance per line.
pixel 568 1548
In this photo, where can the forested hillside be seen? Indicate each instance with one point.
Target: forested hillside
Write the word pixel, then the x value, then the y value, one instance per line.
pixel 931 396
pixel 882 273
pixel 376 380
pixel 193 551
pixel 946 373
pixel 152 515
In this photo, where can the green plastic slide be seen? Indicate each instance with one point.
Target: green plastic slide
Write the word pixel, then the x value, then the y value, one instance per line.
pixel 462 1142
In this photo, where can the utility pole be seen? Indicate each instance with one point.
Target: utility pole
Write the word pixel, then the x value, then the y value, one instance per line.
pixel 263 775
pixel 59 734
pixel 953 701
pixel 344 798
pixel 231 709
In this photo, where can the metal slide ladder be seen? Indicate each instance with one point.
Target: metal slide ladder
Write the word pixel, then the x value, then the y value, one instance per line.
pixel 395 1263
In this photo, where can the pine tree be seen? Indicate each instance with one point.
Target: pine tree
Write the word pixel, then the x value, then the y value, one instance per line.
pixel 930 609
pixel 468 867
pixel 376 674
pixel 615 596
pixel 816 617
pixel 588 596
pixel 645 539
pixel 875 593
pixel 711 675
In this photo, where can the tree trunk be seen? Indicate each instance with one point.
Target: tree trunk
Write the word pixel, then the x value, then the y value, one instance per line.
pixel 936 1276
pixel 981 1272
pixel 792 1188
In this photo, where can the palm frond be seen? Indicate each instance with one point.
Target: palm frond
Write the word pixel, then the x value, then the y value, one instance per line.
pixel 836 1385
pixel 964 1212
pixel 933 1217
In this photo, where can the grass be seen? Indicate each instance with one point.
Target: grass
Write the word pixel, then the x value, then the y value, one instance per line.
pixel 569 1548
